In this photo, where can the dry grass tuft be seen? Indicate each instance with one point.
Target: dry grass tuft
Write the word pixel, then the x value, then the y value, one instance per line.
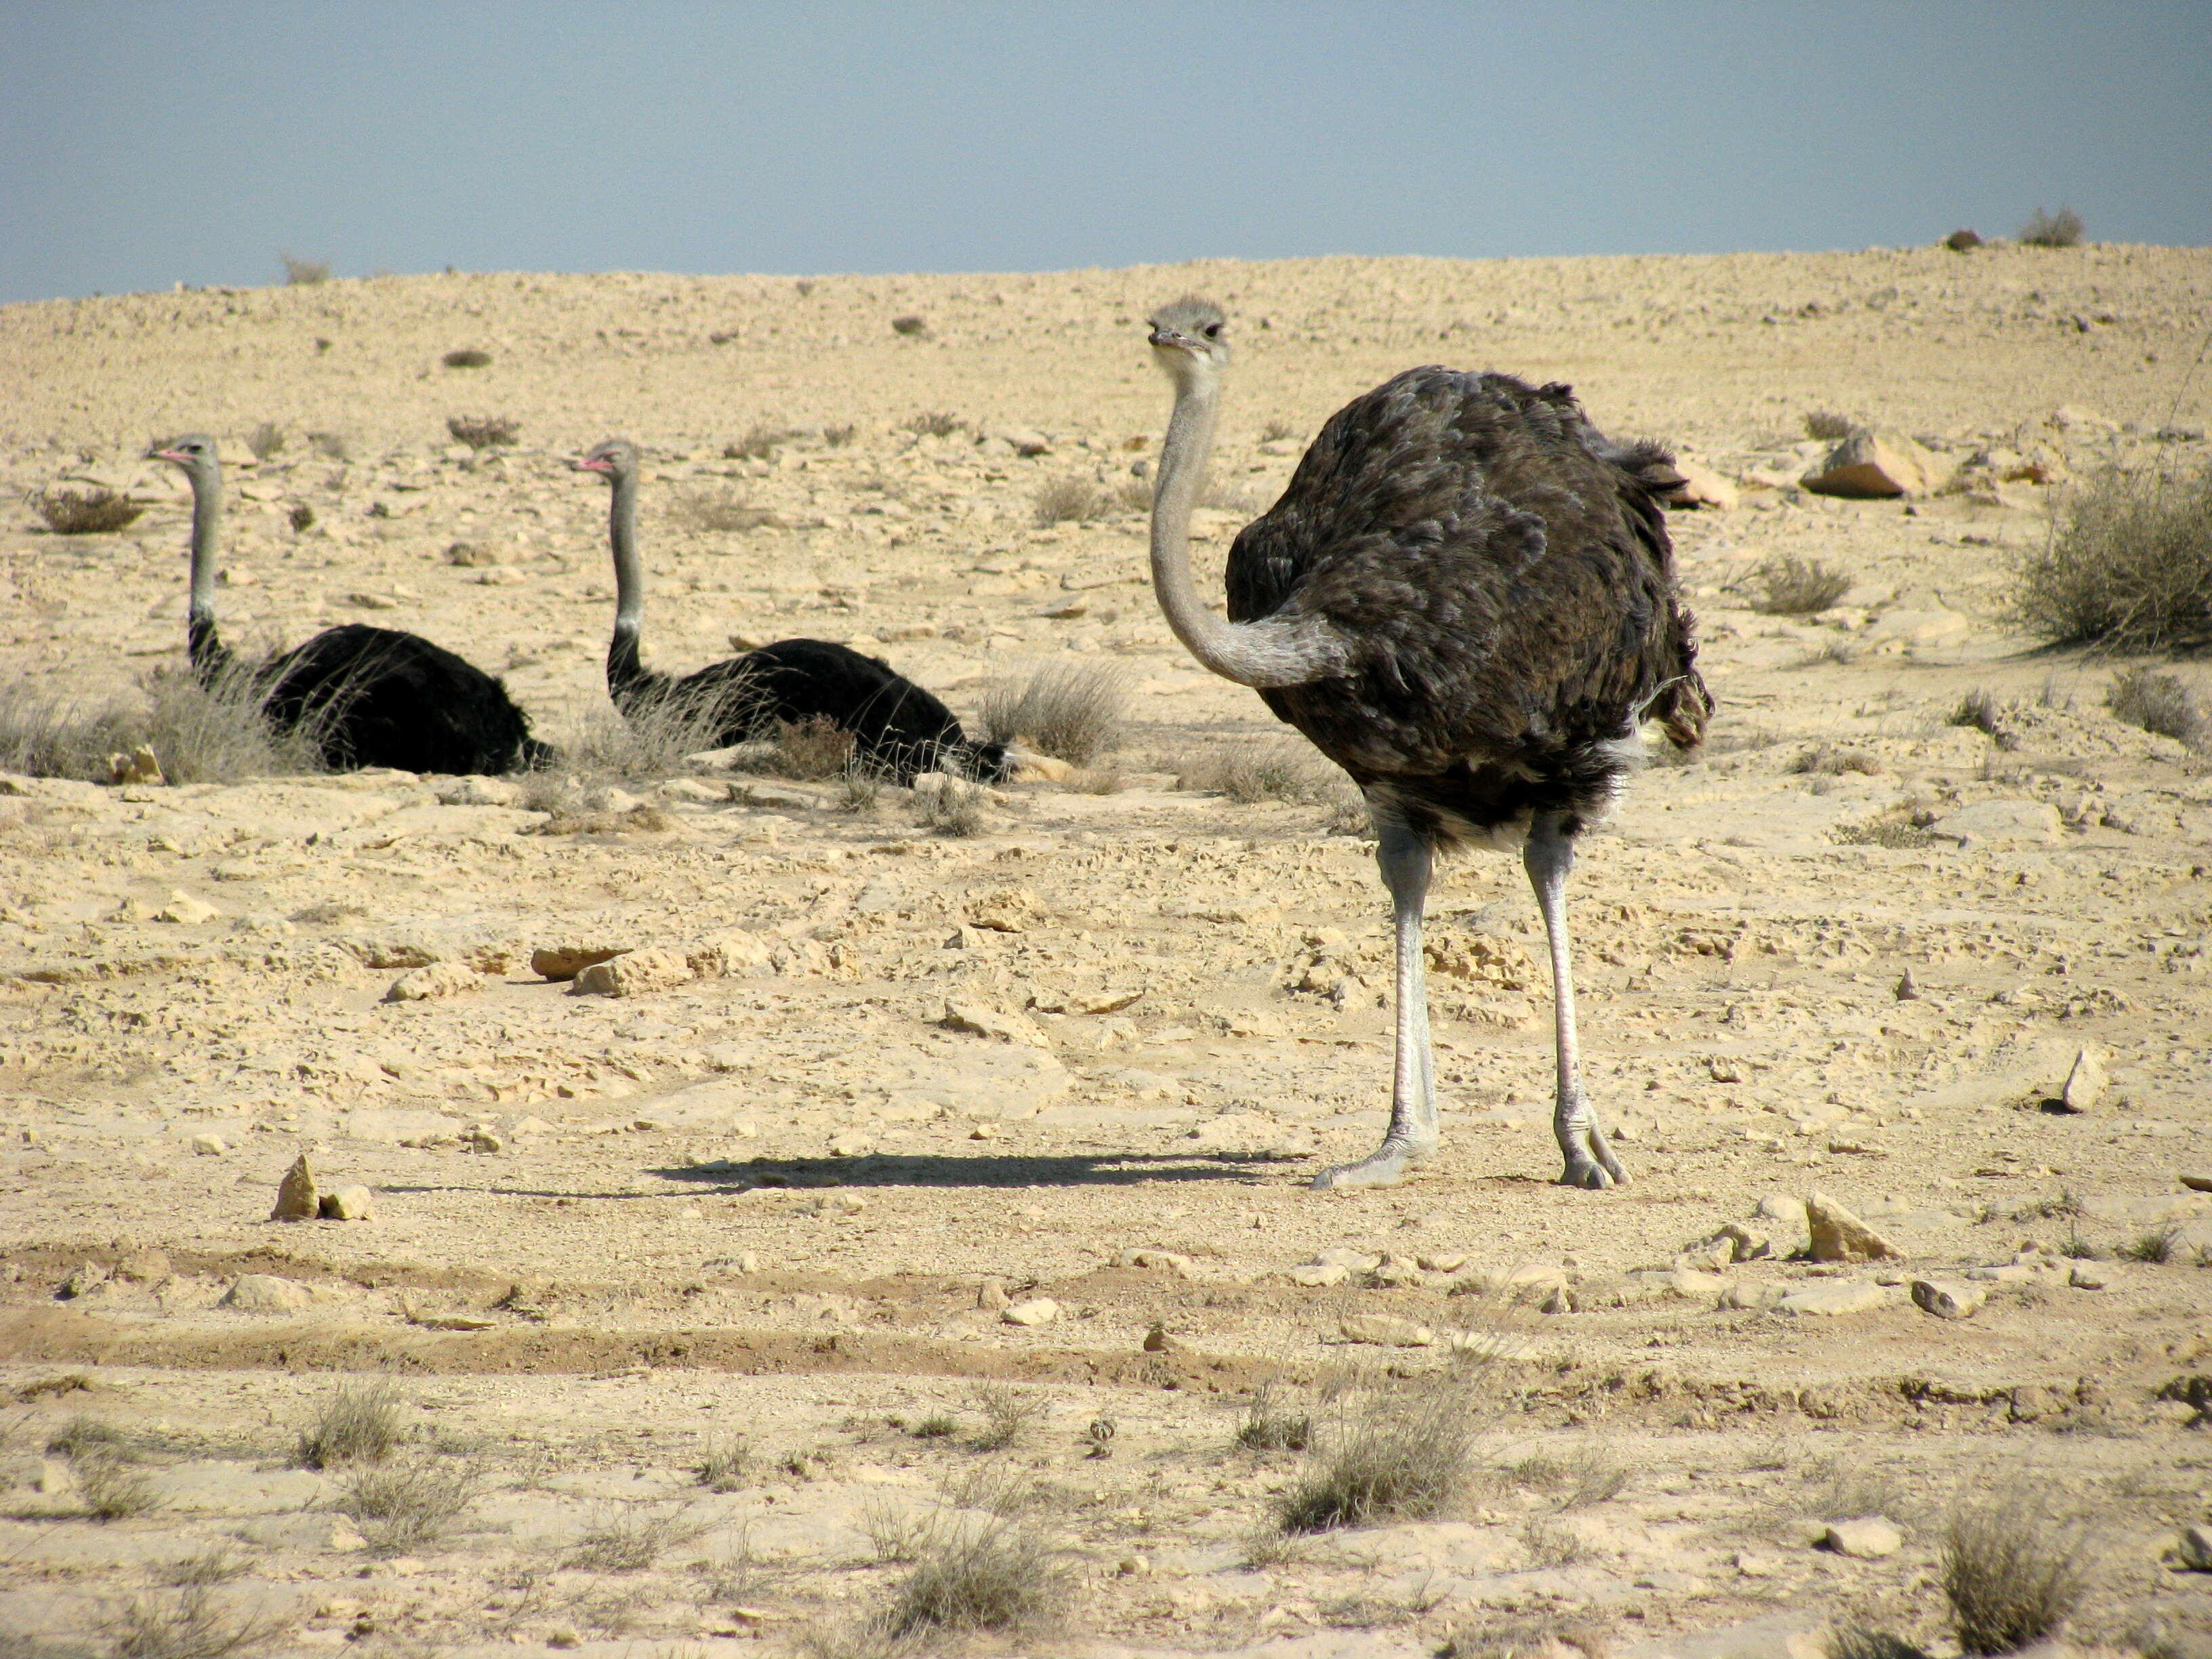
pixel 2128 566
pixel 2157 702
pixel 466 357
pixel 1070 501
pixel 218 1564
pixel 934 424
pixel 816 747
pixel 2155 1248
pixel 2011 1574
pixel 1277 772
pixel 1792 586
pixel 1550 1544
pixel 266 439
pixel 112 1486
pixel 1406 1457
pixel 1072 711
pixel 630 1540
pixel 719 510
pixel 2059 229
pixel 912 327
pixel 191 1625
pixel 1488 1636
pixel 1265 1428
pixel 305 273
pixel 1858 1642
pixel 938 1426
pixel 1827 760
pixel 483 431
pixel 726 1464
pixel 996 1575
pixel 649 743
pixel 399 1505
pixel 84 1435
pixel 1008 1414
pixel 760 441
pixel 211 733
pixel 359 1423
pixel 93 512
pixel 1828 426
pixel 953 809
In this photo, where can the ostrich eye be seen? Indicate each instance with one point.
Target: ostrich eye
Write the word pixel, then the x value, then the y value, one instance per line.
pixel 1213 330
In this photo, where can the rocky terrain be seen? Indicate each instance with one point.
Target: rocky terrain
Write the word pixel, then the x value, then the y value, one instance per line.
pixel 891 1175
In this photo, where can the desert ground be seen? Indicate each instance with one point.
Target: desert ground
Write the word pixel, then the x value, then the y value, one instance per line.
pixel 942 1182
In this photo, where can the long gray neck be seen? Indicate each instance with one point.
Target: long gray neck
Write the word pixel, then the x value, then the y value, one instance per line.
pixel 1260 654
pixel 207 520
pixel 629 575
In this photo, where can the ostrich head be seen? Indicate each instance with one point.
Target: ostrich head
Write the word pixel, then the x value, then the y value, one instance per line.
pixel 193 454
pixel 1190 339
pixel 616 457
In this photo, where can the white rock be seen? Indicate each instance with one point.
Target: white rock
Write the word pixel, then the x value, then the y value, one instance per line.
pixel 2090 1276
pixel 1869 1538
pixel 183 907
pixel 980 1021
pixel 268 1294
pixel 1702 487
pixel 438 979
pixel 1948 1298
pixel 1840 1235
pixel 634 974
pixel 2193 1549
pixel 1174 1263
pixel 1036 1310
pixel 349 1203
pixel 1317 1275
pixel 208 1147
pixel 2087 1082
pixel 2000 820
pixel 1388 1330
pixel 1836 1296
pixel 1870 465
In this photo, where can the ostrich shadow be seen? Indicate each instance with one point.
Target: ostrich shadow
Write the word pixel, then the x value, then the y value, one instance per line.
pixel 1001 1170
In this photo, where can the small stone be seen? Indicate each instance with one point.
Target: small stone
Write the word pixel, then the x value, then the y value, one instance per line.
pixel 1748 1243
pixel 266 1294
pixel 634 974
pixel 1359 1261
pixel 1701 487
pixel 1948 1298
pixel 980 1021
pixel 208 1147
pixel 83 1282
pixel 1746 1296
pixel 1708 1257
pixel 2086 1082
pixel 567 961
pixel 1036 1310
pixel 2089 1276
pixel 185 908
pixel 1696 1286
pixel 2000 820
pixel 2193 1549
pixel 1009 910
pixel 1157 1341
pixel 295 1194
pixel 1388 1330
pixel 1840 1236
pixel 1836 1296
pixel 1753 1566
pixel 851 1144
pixel 439 979
pixel 2195 1183
pixel 142 1266
pixel 1399 1271
pixel 1869 1538
pixel 992 1295
pixel 349 1203
pixel 1782 1206
pixel 1447 1261
pixel 1174 1262
pixel 1906 989
pixel 1871 466
pixel 1318 1275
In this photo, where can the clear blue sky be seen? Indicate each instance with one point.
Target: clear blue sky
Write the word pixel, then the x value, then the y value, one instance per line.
pixel 151 142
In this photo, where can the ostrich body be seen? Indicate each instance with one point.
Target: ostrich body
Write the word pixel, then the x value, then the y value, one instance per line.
pixel 372 697
pixel 1466 598
pixel 896 726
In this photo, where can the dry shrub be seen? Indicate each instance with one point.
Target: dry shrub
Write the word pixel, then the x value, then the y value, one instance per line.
pixel 860 786
pixel 2129 565
pixel 2157 702
pixel 1225 497
pixel 112 1487
pixel 215 732
pixel 760 441
pixel 816 747
pixel 896 1532
pixel 1267 1428
pixel 719 510
pixel 483 431
pixel 266 439
pixel 301 517
pixel 1069 710
pixel 399 1505
pixel 839 436
pixel 630 1540
pixel 2011 1573
pixel 301 273
pixel 995 1575
pixel 1405 1455
pixel 1008 1414
pixel 2155 1248
pixel 359 1423
pixel 648 743
pixel 1828 426
pixel 1491 1636
pixel 1267 772
pixel 1827 760
pixel 331 446
pixel 1792 586
pixel 938 1426
pixel 84 1436
pixel 192 1624
pixel 466 357
pixel 912 327
pixel 1963 240
pixel 1134 494
pixel 93 512
pixel 1858 1642
pixel 1983 713
pixel 726 1464
pixel 954 808
pixel 2059 229
pixel 218 1564
pixel 1274 431
pixel 1069 501
pixel 933 423
pixel 1550 1545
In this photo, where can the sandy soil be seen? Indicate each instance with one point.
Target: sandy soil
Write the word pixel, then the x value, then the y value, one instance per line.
pixel 785 1199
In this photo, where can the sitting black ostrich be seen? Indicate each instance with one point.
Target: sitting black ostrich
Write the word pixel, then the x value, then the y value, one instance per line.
pixel 897 728
pixel 370 697
pixel 1466 598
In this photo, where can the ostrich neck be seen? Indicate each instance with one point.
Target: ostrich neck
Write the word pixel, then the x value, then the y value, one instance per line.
pixel 1258 654
pixel 207 520
pixel 624 668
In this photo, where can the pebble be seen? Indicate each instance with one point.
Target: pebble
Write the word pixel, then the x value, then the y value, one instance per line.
pixel 1948 1298
pixel 183 908
pixel 208 1147
pixel 1449 1262
pixel 1840 1236
pixel 851 1144
pixel 2086 1082
pixel 1869 1538
pixel 2193 1549
pixel 1749 1243
pixel 2197 1183
pixel 439 979
pixel 991 1294
pixel 266 1294
pixel 1744 1296
pixel 1387 1330
pixel 295 1194
pixel 1036 1310
pixel 1399 1271
pixel 349 1203
pixel 2090 1276
pixel 1169 1259
pixel 1836 1296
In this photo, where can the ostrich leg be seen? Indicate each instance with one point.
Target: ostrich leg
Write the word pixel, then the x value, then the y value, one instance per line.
pixel 1406 863
pixel 1549 855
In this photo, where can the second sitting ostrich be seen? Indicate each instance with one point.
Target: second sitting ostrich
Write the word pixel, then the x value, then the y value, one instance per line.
pixel 1466 598
pixel 896 726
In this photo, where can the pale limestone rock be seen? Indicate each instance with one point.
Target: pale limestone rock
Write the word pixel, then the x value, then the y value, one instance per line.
pixel 1872 465
pixel 83 1282
pixel 1388 1330
pixel 438 979
pixel 209 1145
pixel 295 1194
pixel 1318 1275
pixel 1840 1236
pixel 1009 910
pixel 2086 1082
pixel 1747 1243
pixel 1701 487
pixel 980 1021
pixel 567 961
pixel 2193 1549
pixel 1868 1538
pixel 184 908
pixel 1749 1295
pixel 2090 1276
pixel 1948 1298
pixel 2000 820
pixel 1171 1261
pixel 1832 1296
pixel 725 955
pixel 1036 1310
pixel 634 974
pixel 348 1203
pixel 265 1293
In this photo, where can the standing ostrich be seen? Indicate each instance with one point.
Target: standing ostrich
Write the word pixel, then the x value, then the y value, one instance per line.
pixel 1466 598
pixel 371 696
pixel 895 724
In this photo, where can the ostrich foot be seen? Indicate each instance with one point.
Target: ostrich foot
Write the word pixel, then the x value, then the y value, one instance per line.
pixel 1590 1163
pixel 1389 1166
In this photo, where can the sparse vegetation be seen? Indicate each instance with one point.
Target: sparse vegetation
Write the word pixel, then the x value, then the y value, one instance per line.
pixel 760 442
pixel 1828 760
pixel 466 357
pixel 1266 1427
pixel 1265 772
pixel 911 327
pixel 2011 1573
pixel 1134 494
pixel 218 1564
pixel 2059 229
pixel 862 785
pixel 1275 431
pixel 2155 1248
pixel 1962 240
pixel 1550 1544
pixel 631 1539
pixel 1008 1414
pixel 2128 565
pixel 84 1436
pixel 2157 702
pixel 1404 1456
pixel 301 273
pixel 816 747
pixel 1488 1635
pixel 995 1575
pixel 839 436
pixel 726 1463
pixel 1792 586
pixel 720 510
pixel 400 1505
pixel 266 439
pixel 111 1485
pixel 331 446
pixel 1069 501
pixel 301 517
pixel 358 1423
pixel 1828 426
pixel 211 733
pixel 483 431
pixel 91 512
pixel 1072 711
pixel 896 1532
pixel 192 1624
pixel 938 1426
pixel 1983 713
pixel 1858 1642
pixel 933 423
pixel 954 808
